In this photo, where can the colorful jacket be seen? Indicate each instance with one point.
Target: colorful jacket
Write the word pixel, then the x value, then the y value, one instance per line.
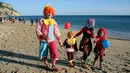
pixel 47 27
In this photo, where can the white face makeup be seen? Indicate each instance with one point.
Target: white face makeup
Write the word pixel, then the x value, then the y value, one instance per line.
pixel 49 15
pixel 88 25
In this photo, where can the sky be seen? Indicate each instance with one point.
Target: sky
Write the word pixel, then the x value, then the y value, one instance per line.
pixel 72 7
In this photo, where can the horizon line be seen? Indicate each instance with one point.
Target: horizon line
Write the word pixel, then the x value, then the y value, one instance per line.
pixel 75 15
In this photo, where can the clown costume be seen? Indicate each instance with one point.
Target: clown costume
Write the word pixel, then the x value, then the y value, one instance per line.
pixel 85 43
pixel 47 29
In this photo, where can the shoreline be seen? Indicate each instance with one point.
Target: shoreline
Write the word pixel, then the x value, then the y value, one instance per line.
pixel 121 32
pixel 110 35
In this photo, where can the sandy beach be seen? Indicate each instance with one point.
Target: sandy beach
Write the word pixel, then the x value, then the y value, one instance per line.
pixel 19 50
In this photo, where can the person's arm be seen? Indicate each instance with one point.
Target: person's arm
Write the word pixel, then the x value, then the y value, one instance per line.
pixel 75 46
pixel 57 33
pixel 80 32
pixel 92 33
pixel 40 34
pixel 64 44
pixel 96 39
pixel 38 29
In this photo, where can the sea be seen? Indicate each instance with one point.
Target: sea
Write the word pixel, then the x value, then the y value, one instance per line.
pixel 116 25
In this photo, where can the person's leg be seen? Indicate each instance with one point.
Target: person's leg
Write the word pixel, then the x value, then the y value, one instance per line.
pixel 45 61
pixel 84 57
pixel 43 51
pixel 85 53
pixel 71 59
pixel 95 59
pixel 101 64
pixel 53 62
pixel 72 55
pixel 68 56
pixel 53 54
pixel 81 47
pixel 101 58
pixel 89 48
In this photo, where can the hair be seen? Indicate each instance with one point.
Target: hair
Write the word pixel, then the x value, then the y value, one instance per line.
pixel 48 9
pixel 70 33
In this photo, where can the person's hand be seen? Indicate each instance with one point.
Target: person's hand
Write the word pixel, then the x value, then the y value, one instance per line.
pixel 41 37
pixel 60 42
pixel 46 37
pixel 110 45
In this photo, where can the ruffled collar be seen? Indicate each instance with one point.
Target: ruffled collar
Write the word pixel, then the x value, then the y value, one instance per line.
pixel 71 41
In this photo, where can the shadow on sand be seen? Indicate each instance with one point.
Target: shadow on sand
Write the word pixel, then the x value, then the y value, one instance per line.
pixel 27 57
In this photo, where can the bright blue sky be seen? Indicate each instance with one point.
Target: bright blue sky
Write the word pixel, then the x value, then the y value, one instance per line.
pixel 72 7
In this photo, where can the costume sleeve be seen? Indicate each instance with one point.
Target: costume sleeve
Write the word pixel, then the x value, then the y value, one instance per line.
pixel 97 38
pixel 75 46
pixel 38 28
pixel 64 44
pixel 92 34
pixel 81 31
pixel 57 31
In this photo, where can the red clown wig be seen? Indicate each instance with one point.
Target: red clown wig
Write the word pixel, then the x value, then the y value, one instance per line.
pixel 48 9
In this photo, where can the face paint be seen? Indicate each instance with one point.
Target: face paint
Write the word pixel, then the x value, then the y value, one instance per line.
pixel 88 26
pixel 48 16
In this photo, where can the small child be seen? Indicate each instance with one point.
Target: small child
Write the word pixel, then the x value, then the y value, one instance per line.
pixel 71 46
pixel 99 49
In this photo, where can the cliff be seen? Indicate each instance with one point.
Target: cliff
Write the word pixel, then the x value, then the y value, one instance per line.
pixel 7 9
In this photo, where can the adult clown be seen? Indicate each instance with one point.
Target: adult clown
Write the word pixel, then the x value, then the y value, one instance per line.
pixel 46 30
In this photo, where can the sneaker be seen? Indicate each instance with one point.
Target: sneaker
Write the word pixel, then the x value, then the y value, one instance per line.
pixel 71 64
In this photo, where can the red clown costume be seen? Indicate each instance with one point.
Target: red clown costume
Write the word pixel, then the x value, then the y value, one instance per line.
pixel 99 49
